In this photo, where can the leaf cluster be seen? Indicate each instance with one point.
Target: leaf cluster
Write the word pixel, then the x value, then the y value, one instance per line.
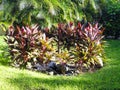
pixel 78 44
pixel 28 44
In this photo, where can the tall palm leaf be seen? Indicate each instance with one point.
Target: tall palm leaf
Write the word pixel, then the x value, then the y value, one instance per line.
pixel 47 12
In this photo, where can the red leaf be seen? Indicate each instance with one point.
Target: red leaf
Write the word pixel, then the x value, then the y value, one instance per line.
pixel 79 25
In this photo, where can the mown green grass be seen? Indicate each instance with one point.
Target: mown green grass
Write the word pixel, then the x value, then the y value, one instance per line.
pixel 107 78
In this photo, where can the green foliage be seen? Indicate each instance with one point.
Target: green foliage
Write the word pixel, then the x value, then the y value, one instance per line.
pixel 47 12
pixel 111 18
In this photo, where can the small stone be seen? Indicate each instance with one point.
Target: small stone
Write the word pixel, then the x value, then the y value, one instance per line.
pixel 52 65
pixel 39 67
pixel 69 73
pixel 51 73
pixel 61 69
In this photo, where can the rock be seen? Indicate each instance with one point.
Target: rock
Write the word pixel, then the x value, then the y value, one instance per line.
pixel 39 67
pixel 69 73
pixel 56 69
pixel 52 65
pixel 51 73
pixel 61 68
pixel 70 67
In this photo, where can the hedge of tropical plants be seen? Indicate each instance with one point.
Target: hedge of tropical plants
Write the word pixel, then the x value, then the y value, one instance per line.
pixel 73 44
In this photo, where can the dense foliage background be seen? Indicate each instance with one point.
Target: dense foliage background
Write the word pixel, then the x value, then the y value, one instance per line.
pixel 50 12
pixel 111 18
pixel 47 12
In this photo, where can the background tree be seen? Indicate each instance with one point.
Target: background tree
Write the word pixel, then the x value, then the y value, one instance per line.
pixel 111 17
pixel 47 12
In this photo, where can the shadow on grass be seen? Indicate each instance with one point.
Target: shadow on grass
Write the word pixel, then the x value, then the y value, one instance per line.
pixel 25 82
pixel 105 80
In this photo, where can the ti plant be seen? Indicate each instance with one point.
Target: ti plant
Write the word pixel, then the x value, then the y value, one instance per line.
pixel 65 35
pixel 89 50
pixel 81 44
pixel 27 44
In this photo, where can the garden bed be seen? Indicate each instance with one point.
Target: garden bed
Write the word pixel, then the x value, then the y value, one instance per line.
pixel 55 50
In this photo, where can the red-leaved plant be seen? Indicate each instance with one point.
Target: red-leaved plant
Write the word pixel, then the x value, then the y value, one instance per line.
pixel 83 43
pixel 28 44
pixel 79 44
pixel 89 51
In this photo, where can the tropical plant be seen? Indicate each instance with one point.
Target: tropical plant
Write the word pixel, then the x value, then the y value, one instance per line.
pixel 28 44
pixel 77 44
pixel 65 35
pixel 89 51
pixel 81 44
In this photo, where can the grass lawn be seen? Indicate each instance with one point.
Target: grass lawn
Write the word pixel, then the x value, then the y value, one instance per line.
pixel 107 78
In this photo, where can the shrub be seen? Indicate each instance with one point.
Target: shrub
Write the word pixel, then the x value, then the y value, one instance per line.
pixel 111 19
pixel 79 45
pixel 28 44
pixel 89 51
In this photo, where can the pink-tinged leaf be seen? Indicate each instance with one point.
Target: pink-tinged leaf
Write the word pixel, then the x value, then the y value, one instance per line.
pixel 32 44
pixel 90 29
pixel 60 26
pixel 23 31
pixel 18 30
pixel 46 30
pixel 71 24
pixel 10 31
pixel 86 31
pixel 75 29
pixel 95 34
pixel 96 25
pixel 28 31
pixel 79 25
pixel 80 33
pixel 23 42
pixel 35 29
